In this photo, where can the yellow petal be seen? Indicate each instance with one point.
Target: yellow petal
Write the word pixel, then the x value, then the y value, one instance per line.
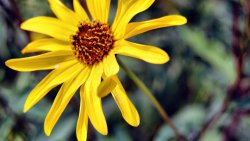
pixel 93 102
pixel 47 44
pixel 82 122
pixel 37 36
pixel 64 72
pixel 107 85
pixel 99 9
pixel 126 107
pixel 62 99
pixel 50 26
pixel 64 13
pixel 136 28
pixel 40 62
pixel 147 53
pixel 126 10
pixel 80 11
pixel 110 65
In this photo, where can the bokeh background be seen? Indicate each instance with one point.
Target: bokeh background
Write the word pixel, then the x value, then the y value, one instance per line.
pixel 208 75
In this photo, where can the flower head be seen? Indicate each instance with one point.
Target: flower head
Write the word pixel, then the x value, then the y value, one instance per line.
pixel 81 54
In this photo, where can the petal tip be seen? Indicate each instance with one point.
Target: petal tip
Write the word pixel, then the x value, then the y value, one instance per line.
pixel 184 20
pixel 180 20
pixel 25 111
pixel 23 25
pixel 176 20
pixel 24 51
pixel 50 1
pixel 103 130
pixel 47 133
pixel 134 120
pixel 135 123
pixel 7 63
pixel 26 108
pixel 165 58
pixel 47 129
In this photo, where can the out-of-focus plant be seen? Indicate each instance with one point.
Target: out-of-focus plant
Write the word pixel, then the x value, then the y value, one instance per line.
pixel 204 88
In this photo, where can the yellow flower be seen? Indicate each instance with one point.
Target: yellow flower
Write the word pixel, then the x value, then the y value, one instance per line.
pixel 81 54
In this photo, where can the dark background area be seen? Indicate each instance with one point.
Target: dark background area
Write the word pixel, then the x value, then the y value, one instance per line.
pixel 206 78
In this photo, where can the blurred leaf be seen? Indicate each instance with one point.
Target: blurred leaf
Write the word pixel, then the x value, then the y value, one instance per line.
pixel 31 8
pixel 189 119
pixel 165 134
pixel 6 128
pixel 212 135
pixel 3 38
pixel 243 103
pixel 104 138
pixel 122 134
pixel 2 73
pixel 211 51
pixel 178 85
pixel 242 131
pixel 62 130
pixel 23 81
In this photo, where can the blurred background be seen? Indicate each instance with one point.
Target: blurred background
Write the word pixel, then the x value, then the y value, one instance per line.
pixel 204 88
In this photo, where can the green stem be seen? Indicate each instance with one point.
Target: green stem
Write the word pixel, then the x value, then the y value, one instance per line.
pixel 151 97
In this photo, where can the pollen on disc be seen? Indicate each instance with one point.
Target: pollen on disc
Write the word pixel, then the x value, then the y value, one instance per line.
pixel 92 42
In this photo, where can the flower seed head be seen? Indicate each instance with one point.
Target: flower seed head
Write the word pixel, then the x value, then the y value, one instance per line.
pixel 92 42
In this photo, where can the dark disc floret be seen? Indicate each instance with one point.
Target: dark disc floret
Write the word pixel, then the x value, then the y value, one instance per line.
pixel 92 42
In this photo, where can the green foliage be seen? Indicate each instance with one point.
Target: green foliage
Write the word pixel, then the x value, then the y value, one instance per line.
pixel 191 86
pixel 212 51
pixel 188 119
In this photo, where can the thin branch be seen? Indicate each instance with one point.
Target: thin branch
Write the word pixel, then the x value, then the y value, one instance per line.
pixel 16 11
pixel 13 14
pixel 233 90
pixel 214 118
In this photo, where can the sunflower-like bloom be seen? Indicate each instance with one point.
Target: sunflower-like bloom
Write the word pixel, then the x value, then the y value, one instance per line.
pixel 81 51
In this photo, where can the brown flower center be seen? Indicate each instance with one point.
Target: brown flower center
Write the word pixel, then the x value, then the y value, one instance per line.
pixel 92 42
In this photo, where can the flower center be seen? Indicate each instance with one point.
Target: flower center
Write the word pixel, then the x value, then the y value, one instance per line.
pixel 92 42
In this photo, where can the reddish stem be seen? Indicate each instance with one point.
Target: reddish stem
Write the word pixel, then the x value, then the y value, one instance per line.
pixel 233 90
